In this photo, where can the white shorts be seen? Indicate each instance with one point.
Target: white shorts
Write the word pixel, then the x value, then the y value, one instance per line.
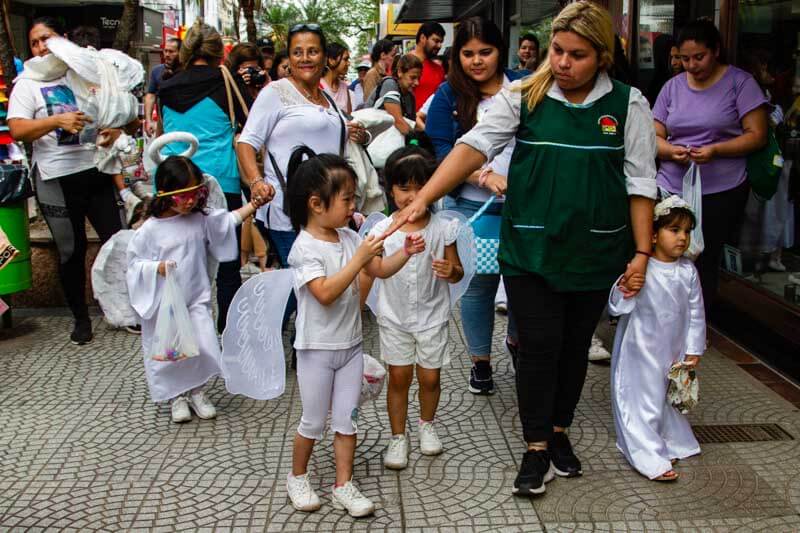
pixel 426 348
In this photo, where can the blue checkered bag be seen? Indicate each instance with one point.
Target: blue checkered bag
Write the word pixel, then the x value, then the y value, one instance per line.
pixel 487 239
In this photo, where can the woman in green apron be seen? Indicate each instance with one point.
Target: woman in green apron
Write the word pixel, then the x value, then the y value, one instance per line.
pixel 578 214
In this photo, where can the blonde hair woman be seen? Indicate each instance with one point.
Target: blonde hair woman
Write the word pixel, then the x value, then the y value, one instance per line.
pixel 578 213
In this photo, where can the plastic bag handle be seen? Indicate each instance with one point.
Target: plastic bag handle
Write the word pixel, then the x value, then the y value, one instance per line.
pixel 483 209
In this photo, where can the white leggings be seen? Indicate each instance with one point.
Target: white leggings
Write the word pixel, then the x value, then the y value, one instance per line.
pixel 329 381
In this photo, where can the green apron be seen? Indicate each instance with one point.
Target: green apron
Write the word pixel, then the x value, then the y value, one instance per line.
pixel 566 215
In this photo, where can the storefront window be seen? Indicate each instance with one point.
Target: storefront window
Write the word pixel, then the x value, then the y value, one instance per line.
pixel 766 252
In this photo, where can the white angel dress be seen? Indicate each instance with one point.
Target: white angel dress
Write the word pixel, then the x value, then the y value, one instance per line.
pixel 658 327
pixel 186 240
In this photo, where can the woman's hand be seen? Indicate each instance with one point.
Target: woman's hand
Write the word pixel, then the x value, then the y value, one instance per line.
pixel 497 183
pixel 635 275
pixel 262 192
pixel 704 154
pixel 108 136
pixel 356 132
pixel 410 213
pixel 72 122
pixel 244 74
pixel 679 154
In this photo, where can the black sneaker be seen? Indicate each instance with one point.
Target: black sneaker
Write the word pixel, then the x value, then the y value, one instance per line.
pixel 564 460
pixel 480 378
pixel 535 471
pixel 82 333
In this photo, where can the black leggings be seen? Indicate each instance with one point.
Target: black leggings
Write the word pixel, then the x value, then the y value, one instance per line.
pixel 555 330
pixel 722 217
pixel 229 278
pixel 66 203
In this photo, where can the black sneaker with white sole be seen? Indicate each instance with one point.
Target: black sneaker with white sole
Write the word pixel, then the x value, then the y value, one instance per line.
pixel 535 471
pixel 82 333
pixel 565 462
pixel 480 378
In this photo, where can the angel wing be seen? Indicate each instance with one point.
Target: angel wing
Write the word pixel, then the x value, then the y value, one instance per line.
pixel 253 361
pixel 108 280
pixel 465 244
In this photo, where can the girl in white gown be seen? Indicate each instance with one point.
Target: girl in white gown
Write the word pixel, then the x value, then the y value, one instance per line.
pixel 661 325
pixel 180 234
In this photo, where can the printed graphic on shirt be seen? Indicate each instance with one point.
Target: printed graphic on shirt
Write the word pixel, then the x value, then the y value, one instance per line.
pixel 608 125
pixel 60 99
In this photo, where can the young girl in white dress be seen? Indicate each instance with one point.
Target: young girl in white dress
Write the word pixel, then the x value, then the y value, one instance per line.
pixel 179 235
pixel 662 325
pixel 327 258
pixel 413 307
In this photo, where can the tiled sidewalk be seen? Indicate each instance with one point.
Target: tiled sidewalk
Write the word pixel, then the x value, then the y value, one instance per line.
pixel 82 448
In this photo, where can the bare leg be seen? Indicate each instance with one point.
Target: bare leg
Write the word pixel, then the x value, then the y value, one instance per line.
pixel 344 449
pixel 429 391
pixel 301 454
pixel 397 396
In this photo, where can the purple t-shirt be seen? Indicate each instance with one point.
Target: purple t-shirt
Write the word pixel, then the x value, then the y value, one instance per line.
pixel 698 118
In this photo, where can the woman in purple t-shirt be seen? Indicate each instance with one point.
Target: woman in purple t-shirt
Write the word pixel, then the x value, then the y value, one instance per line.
pixel 714 115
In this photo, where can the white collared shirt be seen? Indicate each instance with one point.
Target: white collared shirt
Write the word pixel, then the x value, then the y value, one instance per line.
pixel 414 299
pixel 499 127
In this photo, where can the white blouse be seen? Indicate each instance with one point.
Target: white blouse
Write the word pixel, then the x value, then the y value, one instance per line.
pixel 281 120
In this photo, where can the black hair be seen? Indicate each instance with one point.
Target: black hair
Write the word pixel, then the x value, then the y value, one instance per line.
pixel 276 61
pixel 52 23
pixel 410 164
pixel 310 174
pixel 384 46
pixel 530 37
pixel 703 31
pixel 323 42
pixel 430 28
pixel 335 52
pixel 676 215
pixel 85 36
pixel 174 173
pixel 421 139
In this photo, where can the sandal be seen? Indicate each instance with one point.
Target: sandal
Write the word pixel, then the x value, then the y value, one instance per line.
pixel 669 475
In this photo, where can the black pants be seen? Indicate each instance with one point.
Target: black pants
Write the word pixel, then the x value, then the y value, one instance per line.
pixel 722 217
pixel 555 331
pixel 229 278
pixel 66 203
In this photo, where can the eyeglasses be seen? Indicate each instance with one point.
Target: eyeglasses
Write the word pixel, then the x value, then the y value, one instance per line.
pixel 305 27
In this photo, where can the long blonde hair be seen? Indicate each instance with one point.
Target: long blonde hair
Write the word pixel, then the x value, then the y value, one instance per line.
pixel 202 42
pixel 583 18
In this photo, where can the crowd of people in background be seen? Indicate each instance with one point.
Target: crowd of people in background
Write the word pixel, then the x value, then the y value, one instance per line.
pixel 560 157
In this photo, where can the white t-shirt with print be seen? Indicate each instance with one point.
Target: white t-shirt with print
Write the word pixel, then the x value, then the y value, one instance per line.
pixel 325 327
pixel 58 153
pixel 414 299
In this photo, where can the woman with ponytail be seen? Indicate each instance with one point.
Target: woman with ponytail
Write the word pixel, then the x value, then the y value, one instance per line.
pixel 578 214
pixel 195 100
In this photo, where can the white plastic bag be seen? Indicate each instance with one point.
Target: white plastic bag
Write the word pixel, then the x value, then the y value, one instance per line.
pixel 174 338
pixel 376 121
pixel 692 193
pixel 385 144
pixel 372 381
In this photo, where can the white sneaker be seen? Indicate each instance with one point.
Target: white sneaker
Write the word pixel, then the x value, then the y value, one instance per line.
pixel 501 307
pixel 202 406
pixel 396 456
pixel 180 410
pixel 597 351
pixel 301 494
pixel 348 497
pixel 777 265
pixel 429 443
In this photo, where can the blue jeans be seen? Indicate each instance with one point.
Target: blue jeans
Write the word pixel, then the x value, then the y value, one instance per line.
pixel 477 304
pixel 282 241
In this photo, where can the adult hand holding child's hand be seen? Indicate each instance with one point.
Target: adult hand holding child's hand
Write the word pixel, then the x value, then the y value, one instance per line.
pixel 163 266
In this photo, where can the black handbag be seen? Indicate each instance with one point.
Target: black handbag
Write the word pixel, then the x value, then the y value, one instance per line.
pixel 15 185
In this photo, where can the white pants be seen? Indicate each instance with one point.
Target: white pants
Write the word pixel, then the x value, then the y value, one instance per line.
pixel 329 381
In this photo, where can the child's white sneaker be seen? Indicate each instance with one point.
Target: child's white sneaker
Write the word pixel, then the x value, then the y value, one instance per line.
pixel 180 410
pixel 396 456
pixel 598 352
pixel 429 443
pixel 301 494
pixel 202 406
pixel 349 497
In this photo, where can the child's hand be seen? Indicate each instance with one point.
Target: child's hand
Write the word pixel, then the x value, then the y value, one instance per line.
pixel 370 247
pixel 164 265
pixel 692 361
pixel 443 268
pixel 414 244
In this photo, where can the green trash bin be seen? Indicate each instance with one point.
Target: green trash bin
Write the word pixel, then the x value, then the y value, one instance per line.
pixel 16 276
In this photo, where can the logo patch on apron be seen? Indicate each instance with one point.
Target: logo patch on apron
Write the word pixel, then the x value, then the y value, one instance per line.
pixel 608 125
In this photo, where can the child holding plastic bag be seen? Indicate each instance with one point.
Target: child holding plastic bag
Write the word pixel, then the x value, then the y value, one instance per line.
pixel 175 241
pixel 413 307
pixel 663 325
pixel 327 258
